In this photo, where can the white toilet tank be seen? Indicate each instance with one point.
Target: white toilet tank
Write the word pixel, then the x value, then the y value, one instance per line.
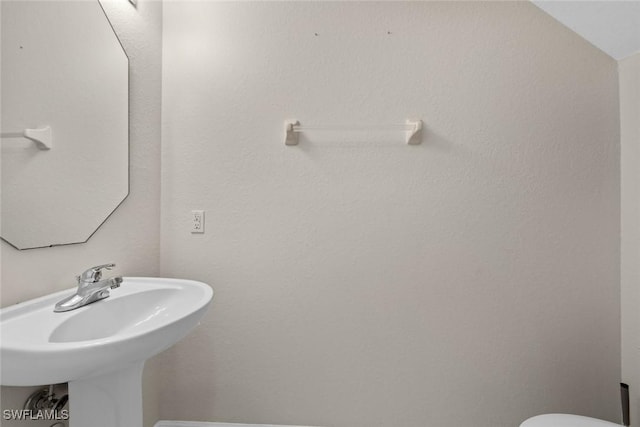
pixel 565 420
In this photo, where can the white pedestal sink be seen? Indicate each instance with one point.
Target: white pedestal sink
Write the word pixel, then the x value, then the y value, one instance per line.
pixel 99 349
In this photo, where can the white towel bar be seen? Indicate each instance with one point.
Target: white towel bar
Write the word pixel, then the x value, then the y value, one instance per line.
pixel 41 136
pixel 412 128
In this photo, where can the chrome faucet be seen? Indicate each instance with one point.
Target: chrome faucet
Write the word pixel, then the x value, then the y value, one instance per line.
pixel 91 288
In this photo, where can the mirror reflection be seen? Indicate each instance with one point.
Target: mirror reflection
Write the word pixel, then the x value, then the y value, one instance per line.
pixel 65 122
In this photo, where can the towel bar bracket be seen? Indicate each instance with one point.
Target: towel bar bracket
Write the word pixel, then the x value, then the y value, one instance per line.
pixel 41 136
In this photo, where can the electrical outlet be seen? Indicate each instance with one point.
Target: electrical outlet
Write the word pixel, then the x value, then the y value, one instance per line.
pixel 197 221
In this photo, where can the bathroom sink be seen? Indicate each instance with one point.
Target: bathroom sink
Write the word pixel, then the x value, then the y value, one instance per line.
pixel 140 319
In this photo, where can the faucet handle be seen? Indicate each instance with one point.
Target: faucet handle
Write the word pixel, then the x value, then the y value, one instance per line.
pixel 94 274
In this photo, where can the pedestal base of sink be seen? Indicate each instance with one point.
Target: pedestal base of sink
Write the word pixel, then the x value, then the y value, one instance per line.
pixel 109 400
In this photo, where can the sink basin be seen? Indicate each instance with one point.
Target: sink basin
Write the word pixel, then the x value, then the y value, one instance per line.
pixel 98 343
pixel 140 319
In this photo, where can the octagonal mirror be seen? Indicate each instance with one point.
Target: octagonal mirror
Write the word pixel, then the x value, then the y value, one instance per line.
pixel 65 121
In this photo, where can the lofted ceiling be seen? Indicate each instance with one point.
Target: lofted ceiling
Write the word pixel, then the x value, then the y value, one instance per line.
pixel 612 26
